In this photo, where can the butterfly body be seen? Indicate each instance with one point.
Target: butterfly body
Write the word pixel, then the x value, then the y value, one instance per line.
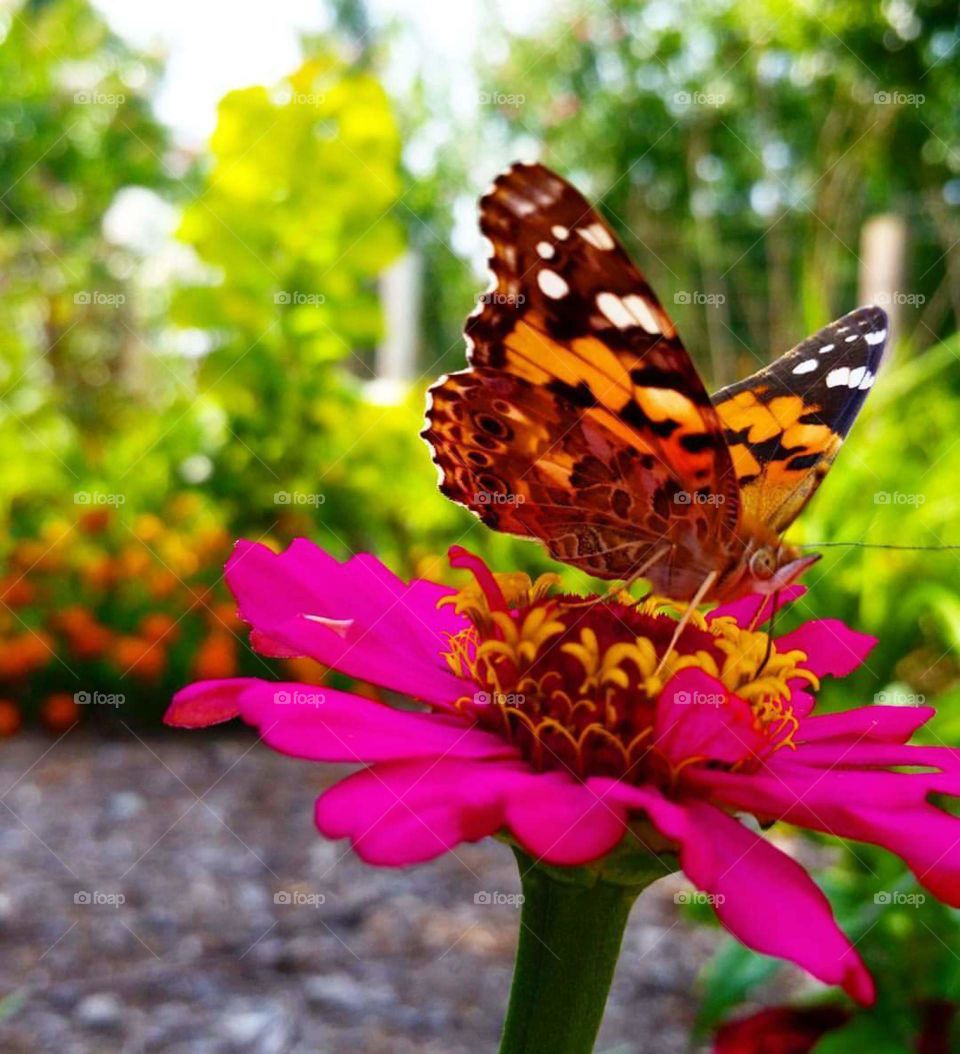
pixel 582 421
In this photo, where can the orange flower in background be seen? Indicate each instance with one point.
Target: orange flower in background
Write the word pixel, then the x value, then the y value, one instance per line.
pixel 59 711
pixel 141 658
pixel 225 615
pixel 95 521
pixel 85 636
pixel 17 591
pixel 162 584
pixel 24 653
pixel 10 717
pixel 216 657
pixel 158 626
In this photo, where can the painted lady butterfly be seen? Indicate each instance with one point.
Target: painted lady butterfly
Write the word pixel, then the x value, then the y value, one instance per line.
pixel 582 421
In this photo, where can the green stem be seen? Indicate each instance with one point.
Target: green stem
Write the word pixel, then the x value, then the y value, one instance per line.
pixel 571 928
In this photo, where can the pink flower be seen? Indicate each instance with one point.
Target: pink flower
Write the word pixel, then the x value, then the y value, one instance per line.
pixel 565 725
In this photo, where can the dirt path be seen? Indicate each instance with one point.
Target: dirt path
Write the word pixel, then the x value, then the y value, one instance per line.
pixel 139 912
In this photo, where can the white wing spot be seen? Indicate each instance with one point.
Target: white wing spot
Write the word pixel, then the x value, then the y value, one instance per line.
pixel 545 250
pixel 640 310
pixel 826 348
pixel 875 338
pixel 560 232
pixel 613 308
pixel 851 338
pixel 552 284
pixel 856 376
pixel 807 366
pixel 837 377
pixel 867 381
pixel 597 236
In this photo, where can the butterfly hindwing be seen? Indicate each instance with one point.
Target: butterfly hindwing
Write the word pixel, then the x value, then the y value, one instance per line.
pixel 785 424
pixel 576 369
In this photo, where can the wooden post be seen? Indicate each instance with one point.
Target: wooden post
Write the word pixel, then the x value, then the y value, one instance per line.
pixel 883 250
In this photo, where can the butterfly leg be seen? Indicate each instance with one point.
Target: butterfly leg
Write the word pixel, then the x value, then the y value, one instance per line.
pixel 687 615
pixel 627 582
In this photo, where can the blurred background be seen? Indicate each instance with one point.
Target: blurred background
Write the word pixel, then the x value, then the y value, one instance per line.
pixel 236 245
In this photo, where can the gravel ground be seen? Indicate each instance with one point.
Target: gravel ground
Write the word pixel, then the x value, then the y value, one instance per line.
pixel 139 912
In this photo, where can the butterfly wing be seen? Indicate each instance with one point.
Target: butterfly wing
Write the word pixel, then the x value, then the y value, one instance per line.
pixel 785 424
pixel 583 421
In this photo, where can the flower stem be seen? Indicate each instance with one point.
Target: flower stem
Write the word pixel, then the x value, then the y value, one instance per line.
pixel 571 928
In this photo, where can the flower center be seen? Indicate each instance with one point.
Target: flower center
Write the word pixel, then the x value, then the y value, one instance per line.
pixel 577 684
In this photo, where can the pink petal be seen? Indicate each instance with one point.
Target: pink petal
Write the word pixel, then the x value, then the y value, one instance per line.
pixel 206 703
pixel 408 812
pixel 889 809
pixel 698 717
pixel 766 900
pixel 356 617
pixel 891 724
pixel 744 611
pixel 830 645
pixel 323 724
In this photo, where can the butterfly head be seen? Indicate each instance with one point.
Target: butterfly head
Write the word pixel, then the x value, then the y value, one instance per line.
pixel 771 566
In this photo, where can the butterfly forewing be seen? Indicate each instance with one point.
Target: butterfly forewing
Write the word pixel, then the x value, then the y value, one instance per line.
pixel 785 424
pixel 583 421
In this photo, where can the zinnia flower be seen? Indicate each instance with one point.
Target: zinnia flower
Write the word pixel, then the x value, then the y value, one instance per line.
pixel 565 726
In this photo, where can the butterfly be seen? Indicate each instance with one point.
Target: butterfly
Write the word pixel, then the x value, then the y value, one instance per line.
pixel 582 421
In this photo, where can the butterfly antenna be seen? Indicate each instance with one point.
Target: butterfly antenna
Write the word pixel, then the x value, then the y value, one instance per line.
pixel 880 545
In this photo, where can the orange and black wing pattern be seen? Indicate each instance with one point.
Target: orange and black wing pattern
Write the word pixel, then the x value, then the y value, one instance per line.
pixel 785 424
pixel 582 421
